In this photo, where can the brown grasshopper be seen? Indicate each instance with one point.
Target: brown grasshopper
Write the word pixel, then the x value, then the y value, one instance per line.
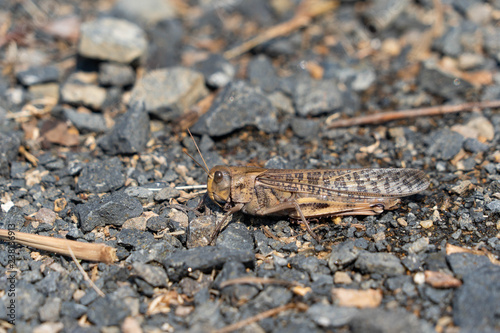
pixel 302 193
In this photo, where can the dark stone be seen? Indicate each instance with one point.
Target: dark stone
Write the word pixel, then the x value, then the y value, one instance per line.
pixel 86 122
pixel 29 300
pixel 9 147
pixel 114 74
pixel 330 316
pixel 135 239
pixel 494 206
pixel 107 312
pixel 218 71
pixel 200 231
pixel 164 48
pixel 73 310
pixel 316 97
pixel 237 293
pixel 130 133
pixel 261 73
pixel 476 306
pixel 113 209
pixel 237 106
pixel 101 176
pixel 342 255
pixel 378 320
pixel 305 128
pixel 436 81
pixel 37 75
pixel 379 263
pixel 154 275
pixel 474 146
pixel 236 236
pixel 464 263
pixel 445 144
pixel 157 223
pixel 180 263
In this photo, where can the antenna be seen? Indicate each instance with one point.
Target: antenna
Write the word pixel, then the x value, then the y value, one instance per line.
pixel 199 152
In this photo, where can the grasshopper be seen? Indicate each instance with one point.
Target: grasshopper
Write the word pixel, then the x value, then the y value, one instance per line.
pixel 301 194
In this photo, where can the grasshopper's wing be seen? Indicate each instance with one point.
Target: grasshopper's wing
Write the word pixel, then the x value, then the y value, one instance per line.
pixel 346 183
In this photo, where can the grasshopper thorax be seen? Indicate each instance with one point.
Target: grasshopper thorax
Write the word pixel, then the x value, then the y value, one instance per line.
pixel 219 184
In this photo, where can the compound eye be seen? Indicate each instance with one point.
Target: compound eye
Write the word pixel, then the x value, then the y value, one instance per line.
pixel 218 176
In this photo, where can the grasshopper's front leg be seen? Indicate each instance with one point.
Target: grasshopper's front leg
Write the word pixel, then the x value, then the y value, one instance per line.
pixel 220 225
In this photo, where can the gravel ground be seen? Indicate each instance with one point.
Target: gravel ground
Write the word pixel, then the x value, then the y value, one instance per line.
pixel 95 100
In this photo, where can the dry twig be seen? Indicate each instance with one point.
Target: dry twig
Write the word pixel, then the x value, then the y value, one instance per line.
pixel 412 113
pixel 85 251
pixel 307 10
pixel 255 280
pixel 85 275
pixel 260 316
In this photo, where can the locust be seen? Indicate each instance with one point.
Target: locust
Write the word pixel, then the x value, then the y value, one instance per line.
pixel 302 194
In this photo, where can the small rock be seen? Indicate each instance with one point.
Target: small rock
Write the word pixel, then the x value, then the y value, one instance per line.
pixel 118 75
pixel 381 14
pixel 379 263
pixel 200 231
pixel 50 309
pixel 154 275
pixel 9 147
pixel 101 176
pixel 342 255
pixel 388 321
pixel 113 209
pixel 165 44
pixel 465 263
pixel 169 92
pixel 420 245
pixel 130 133
pixel 262 73
pixel 218 71
pixel 474 146
pixel 305 128
pixel 44 90
pixel 182 262
pixel 476 303
pixel 105 311
pixel 157 223
pixel 494 206
pixel 330 315
pixel 445 144
pixel 146 12
pixel 37 75
pixel 236 106
pixel 483 127
pixel 316 97
pixel 236 236
pixel 462 187
pixel 136 239
pixel 426 224
pixel 144 195
pixel 341 278
pixel 492 42
pixel 166 193
pixel 113 40
pixel 84 94
pixel 86 121
pixel 436 81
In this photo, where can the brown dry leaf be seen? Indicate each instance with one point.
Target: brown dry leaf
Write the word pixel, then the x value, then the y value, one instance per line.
pixel 301 290
pixel 60 204
pixel 441 280
pixel 60 133
pixel 370 298
pixel 162 303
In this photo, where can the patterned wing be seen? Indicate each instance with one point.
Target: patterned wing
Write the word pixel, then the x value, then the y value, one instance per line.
pixel 390 182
